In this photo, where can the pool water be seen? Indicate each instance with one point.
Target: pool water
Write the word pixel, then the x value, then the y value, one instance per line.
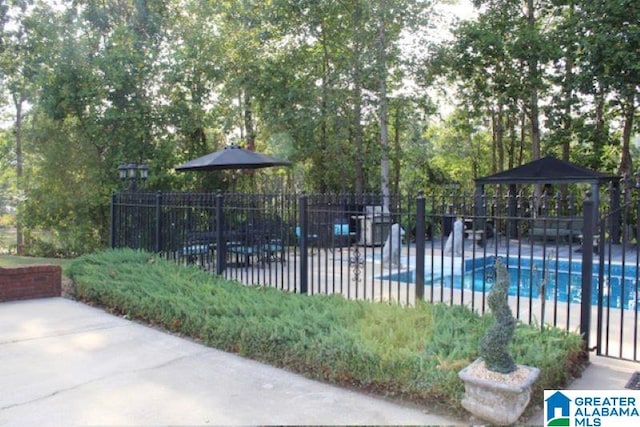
pixel 558 280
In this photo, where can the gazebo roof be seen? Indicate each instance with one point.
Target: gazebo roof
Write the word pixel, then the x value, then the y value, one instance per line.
pixel 548 170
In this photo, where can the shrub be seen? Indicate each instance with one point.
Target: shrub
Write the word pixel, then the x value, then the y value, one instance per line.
pixel 494 346
pixel 409 352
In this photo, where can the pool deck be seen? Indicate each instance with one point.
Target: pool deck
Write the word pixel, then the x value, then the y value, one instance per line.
pixel 501 245
pixel 602 373
pixel 356 272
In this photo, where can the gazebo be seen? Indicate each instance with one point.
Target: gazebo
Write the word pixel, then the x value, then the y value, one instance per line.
pixel 550 170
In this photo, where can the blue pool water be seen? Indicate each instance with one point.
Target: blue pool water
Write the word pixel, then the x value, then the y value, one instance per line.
pixel 559 280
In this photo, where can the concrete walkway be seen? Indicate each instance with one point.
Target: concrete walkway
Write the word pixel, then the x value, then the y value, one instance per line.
pixel 63 363
pixel 603 373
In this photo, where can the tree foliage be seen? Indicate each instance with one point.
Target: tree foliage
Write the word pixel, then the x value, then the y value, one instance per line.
pixel 579 60
pixel 331 85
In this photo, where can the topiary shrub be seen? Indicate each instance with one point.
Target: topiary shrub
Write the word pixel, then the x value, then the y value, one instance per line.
pixel 494 345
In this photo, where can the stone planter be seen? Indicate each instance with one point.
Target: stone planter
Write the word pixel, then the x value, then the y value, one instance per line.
pixel 494 397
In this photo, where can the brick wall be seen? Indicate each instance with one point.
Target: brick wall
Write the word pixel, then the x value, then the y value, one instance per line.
pixel 38 281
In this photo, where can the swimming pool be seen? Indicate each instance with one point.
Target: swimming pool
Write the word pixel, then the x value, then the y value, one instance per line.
pixel 557 279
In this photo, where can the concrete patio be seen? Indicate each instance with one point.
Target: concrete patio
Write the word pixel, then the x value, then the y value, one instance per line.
pixel 64 363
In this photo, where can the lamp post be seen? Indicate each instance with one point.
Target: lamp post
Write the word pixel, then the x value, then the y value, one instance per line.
pixel 133 172
pixel 131 221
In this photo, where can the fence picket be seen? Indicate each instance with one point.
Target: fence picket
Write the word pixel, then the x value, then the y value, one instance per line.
pixel 334 244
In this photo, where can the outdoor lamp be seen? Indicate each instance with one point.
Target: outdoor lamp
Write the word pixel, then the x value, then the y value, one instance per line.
pixel 132 172
pixel 132 168
pixel 122 171
pixel 144 171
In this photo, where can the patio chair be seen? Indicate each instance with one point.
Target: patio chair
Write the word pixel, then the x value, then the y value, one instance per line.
pixel 242 252
pixel 260 240
pixel 198 246
pixel 273 237
pixel 273 251
pixel 328 235
pixel 344 233
pixel 313 238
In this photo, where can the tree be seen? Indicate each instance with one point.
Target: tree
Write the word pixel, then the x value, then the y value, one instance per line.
pixel 96 99
pixel 610 41
pixel 532 47
pixel 382 78
pixel 191 72
pixel 392 19
pixel 331 74
pixel 482 63
pixel 562 110
pixel 26 41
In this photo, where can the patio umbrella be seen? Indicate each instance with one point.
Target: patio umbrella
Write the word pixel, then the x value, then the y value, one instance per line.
pixel 232 157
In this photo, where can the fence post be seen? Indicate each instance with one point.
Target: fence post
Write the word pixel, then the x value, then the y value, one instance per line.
pixel 587 268
pixel 304 250
pixel 420 233
pixel 221 245
pixel 158 213
pixel 614 207
pixel 112 213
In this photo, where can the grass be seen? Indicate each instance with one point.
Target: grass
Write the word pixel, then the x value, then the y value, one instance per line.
pixel 413 353
pixel 8 246
pixel 20 261
pixel 7 237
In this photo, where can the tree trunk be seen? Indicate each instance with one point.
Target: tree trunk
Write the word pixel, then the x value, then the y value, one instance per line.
pixel 248 123
pixel 567 124
pixel 629 108
pixel 523 136
pixel 474 158
pixel 18 103
pixel 599 137
pixel 499 142
pixel 396 150
pixel 567 121
pixel 533 88
pixel 494 141
pixel 324 111
pixel 513 138
pixel 533 98
pixel 500 138
pixel 384 131
pixel 357 108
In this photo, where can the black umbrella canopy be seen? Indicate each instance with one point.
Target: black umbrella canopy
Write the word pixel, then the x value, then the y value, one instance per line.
pixel 232 157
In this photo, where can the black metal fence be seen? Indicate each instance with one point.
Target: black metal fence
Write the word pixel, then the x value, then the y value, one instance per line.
pixel 408 248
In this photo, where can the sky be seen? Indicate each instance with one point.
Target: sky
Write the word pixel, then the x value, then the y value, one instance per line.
pixel 462 9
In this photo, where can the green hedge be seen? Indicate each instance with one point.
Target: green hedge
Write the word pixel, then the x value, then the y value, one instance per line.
pixel 410 352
